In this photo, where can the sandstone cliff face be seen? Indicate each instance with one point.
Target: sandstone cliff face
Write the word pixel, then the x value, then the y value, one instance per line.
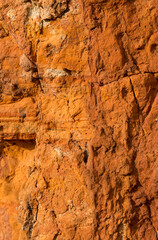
pixel 78 119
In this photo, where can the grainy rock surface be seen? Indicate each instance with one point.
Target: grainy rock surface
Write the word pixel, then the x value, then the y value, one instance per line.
pixel 78 119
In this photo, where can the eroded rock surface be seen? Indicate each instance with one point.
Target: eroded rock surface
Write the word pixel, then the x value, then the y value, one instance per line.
pixel 78 120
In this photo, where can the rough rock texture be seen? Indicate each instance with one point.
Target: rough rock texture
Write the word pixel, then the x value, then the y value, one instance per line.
pixel 78 119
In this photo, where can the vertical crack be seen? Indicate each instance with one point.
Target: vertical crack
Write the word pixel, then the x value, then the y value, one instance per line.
pixel 136 100
pixel 140 115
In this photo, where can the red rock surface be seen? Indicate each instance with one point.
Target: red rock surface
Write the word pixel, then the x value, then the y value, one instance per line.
pixel 78 120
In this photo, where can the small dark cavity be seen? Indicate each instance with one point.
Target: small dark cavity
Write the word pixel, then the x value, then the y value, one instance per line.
pixel 102 132
pixel 27 1
pixel 125 74
pixel 153 47
pixel 124 92
pixel 85 158
pixel 101 84
pixel 68 71
pixel 15 87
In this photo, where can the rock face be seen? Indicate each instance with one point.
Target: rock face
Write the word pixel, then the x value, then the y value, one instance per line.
pixel 78 119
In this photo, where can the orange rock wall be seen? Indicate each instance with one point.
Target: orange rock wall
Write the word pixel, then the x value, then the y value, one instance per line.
pixel 78 119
